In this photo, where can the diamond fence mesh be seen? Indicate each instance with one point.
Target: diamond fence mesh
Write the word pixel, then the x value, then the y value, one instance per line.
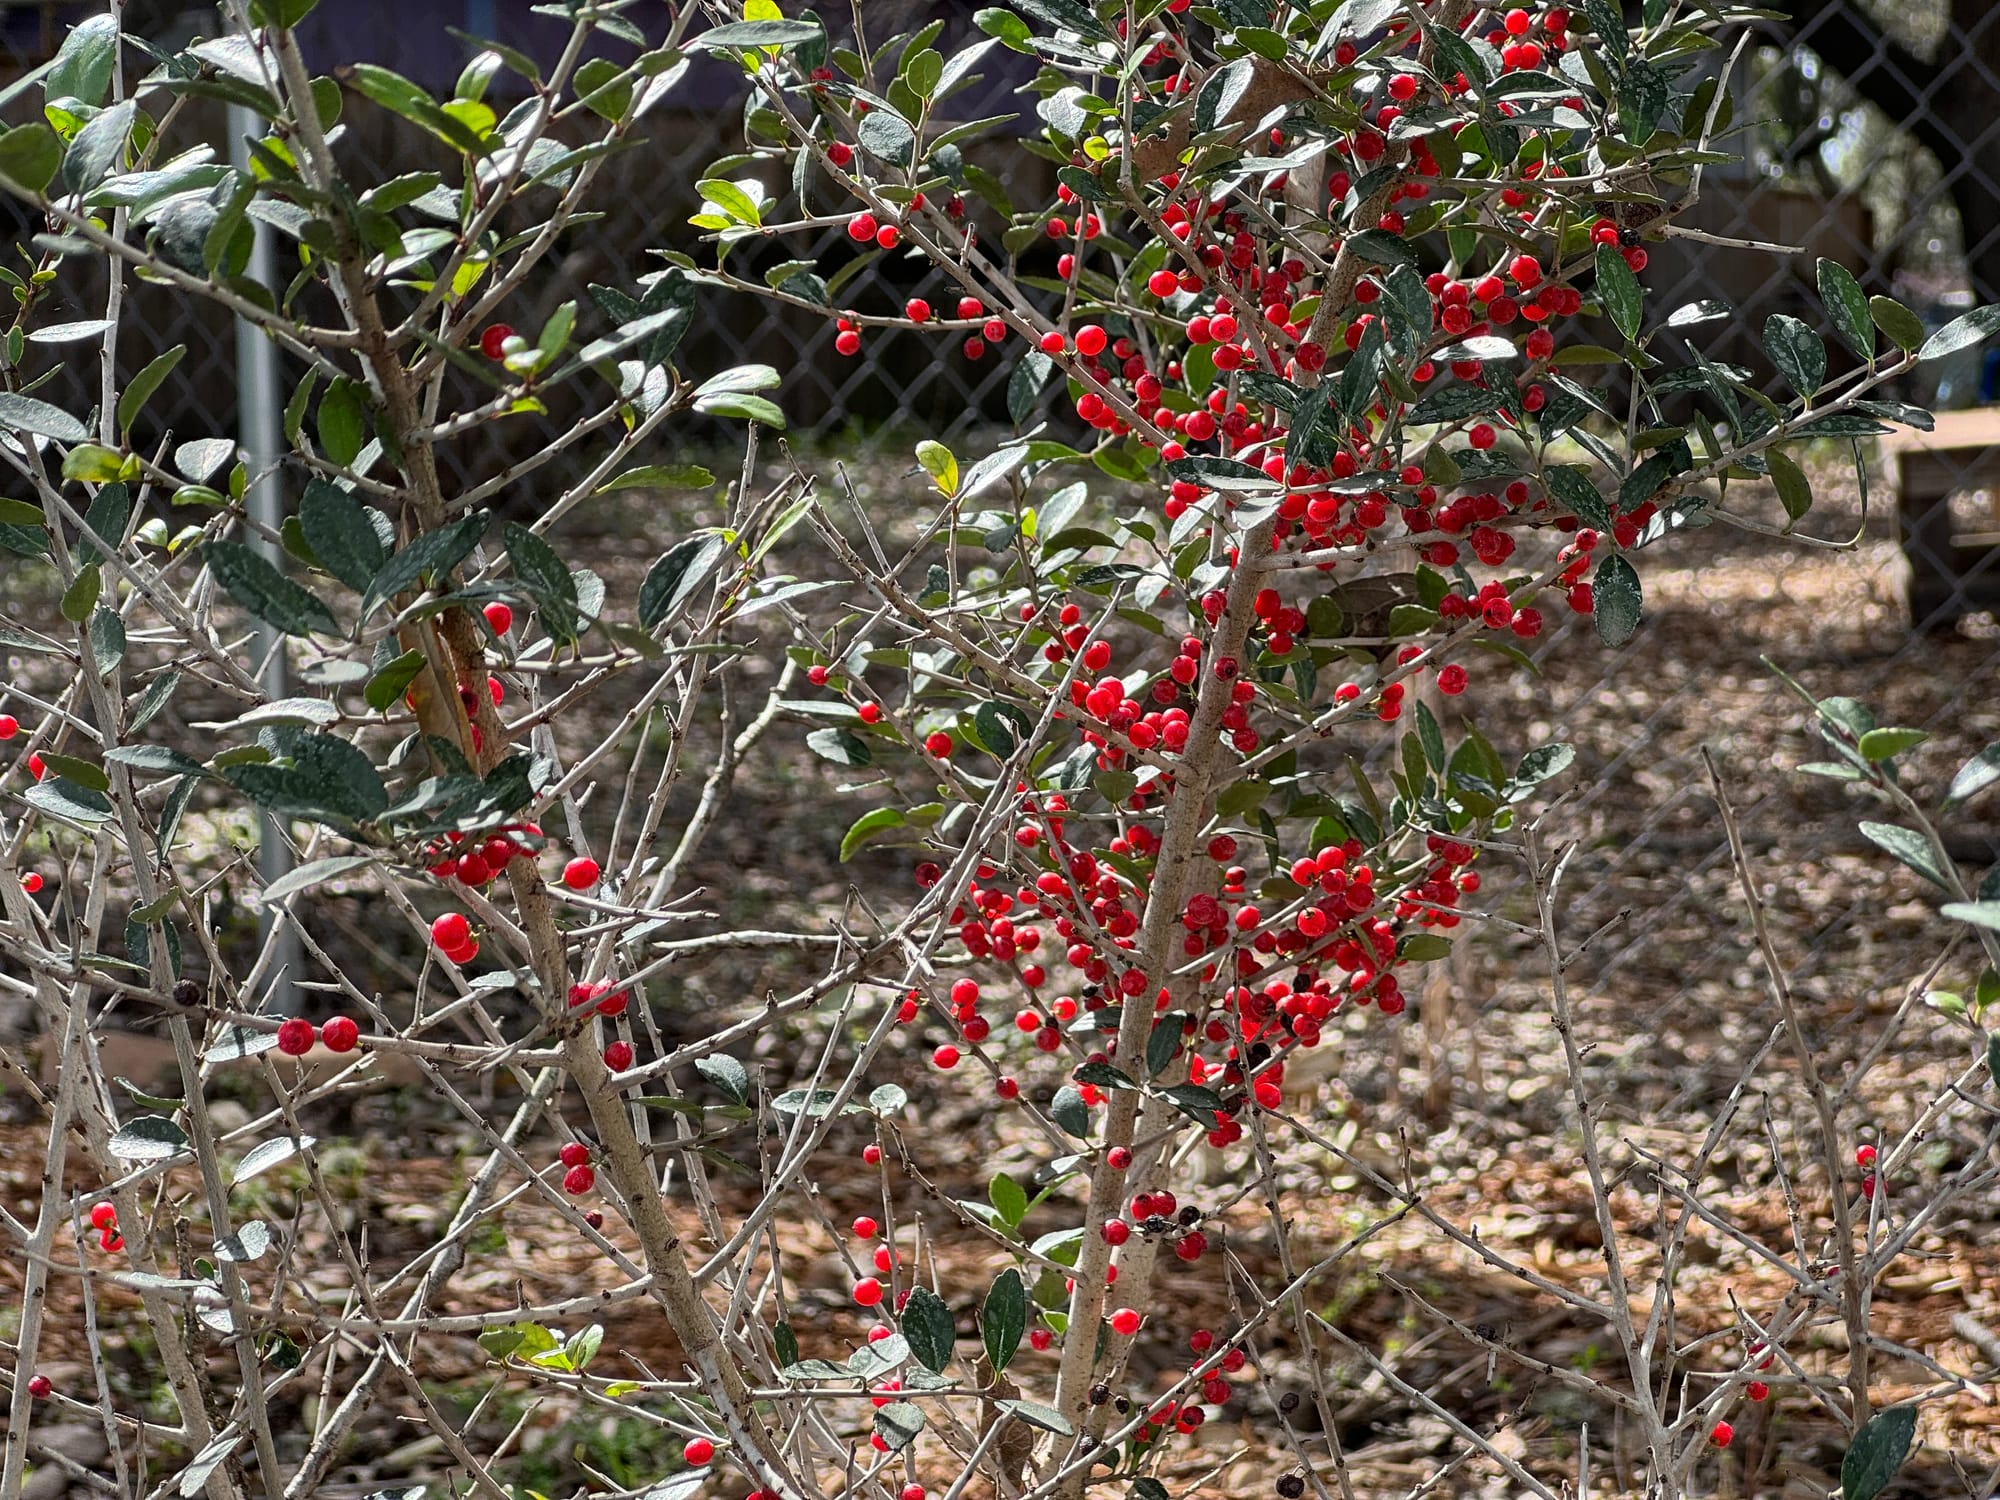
pixel 1868 133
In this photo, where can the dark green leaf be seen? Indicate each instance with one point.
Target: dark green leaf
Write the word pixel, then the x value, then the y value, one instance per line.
pixel 928 1326
pixel 1847 307
pixel 399 95
pixel 1797 352
pixel 1037 1415
pixel 83 64
pixel 62 798
pixel 887 136
pixel 1163 1043
pixel 1903 328
pixel 841 746
pixel 434 552
pixel 84 773
pixel 870 828
pixel 155 760
pixel 142 386
pixel 1008 1198
pixel 748 34
pixel 392 679
pixel 266 593
pixel 99 148
pixel 1877 1452
pixel 1454 403
pixel 673 580
pixel 343 422
pixel 1025 385
pixel 1197 1103
pixel 548 579
pixel 1617 606
pixel 1571 485
pixel 1004 1318
pixel 1620 292
pixel 338 530
pixel 305 877
pixel 30 156
pixel 1069 1111
pixel 1794 489
pixel 1221 93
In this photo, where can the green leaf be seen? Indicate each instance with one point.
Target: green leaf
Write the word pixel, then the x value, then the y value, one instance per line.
pixel 337 528
pixel 1068 1110
pixel 434 552
pixel 80 598
pixel 1008 1198
pixel 399 95
pixel 83 772
pixel 1539 765
pixel 841 746
pixel 1973 328
pixel 1163 1043
pixel 1978 913
pixel 1617 607
pixel 745 408
pixel 148 1138
pixel 1797 352
pixel 1620 292
pixel 604 87
pixel 1877 1452
pixel 938 461
pixel 1794 489
pixel 1221 93
pixel 26 414
pixel 1881 744
pixel 1975 775
pixel 886 136
pixel 727 1074
pixel 155 760
pixel 60 797
pixel 266 593
pixel 1847 308
pixel 260 1159
pixel 142 386
pixel 83 64
pixel 930 1329
pixel 1004 1318
pixel 547 578
pixel 1197 1103
pixel 1909 846
pixel 285 13
pixel 1030 377
pixel 898 1424
pixel 99 148
pixel 305 877
pixel 343 422
pixel 1903 328
pixel 1034 1413
pixel 392 679
pixel 661 477
pixel 869 828
pixel 748 34
pixel 30 156
pixel 672 581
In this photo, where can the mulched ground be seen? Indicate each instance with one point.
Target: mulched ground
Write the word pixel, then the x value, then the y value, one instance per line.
pixel 1465 1094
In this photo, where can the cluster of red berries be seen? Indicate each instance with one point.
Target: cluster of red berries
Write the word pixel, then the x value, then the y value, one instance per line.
pixel 297 1035
pixel 104 1219
pixel 579 1177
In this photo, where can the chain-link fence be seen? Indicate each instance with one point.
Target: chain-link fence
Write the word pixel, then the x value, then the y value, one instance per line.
pixel 1868 132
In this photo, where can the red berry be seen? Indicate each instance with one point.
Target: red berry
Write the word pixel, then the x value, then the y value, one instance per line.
pixel 579 1180
pixel 1125 1322
pixel 946 1056
pixel 865 1228
pixel 39 1386
pixel 1720 1434
pixel 465 953
pixel 847 343
pixel 861 227
pixel 573 1154
pixel 37 767
pixel 499 617
pixel 869 713
pixel 939 744
pixel 917 310
pixel 295 1037
pixel 618 1056
pixel 495 335
pixel 1756 1390
pixel 9 726
pixel 868 1291
pixel 698 1451
pixel 871 1154
pixel 888 236
pixel 581 873
pixel 103 1216
pixel 340 1034
pixel 32 882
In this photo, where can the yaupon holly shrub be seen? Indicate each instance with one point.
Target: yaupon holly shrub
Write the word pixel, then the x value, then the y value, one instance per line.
pixel 1168 702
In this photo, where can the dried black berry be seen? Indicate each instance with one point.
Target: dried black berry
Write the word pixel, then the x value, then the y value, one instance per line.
pixel 1291 1486
pixel 1190 1216
pixel 1121 1406
pixel 186 992
pixel 1099 1394
pixel 1289 1402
